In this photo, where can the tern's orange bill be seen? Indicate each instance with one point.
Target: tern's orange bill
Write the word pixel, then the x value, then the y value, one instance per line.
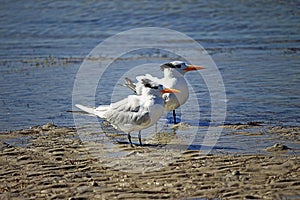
pixel 170 90
pixel 193 68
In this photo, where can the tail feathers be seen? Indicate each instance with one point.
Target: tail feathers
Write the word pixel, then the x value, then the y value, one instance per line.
pixel 86 109
pixel 130 84
pixel 99 111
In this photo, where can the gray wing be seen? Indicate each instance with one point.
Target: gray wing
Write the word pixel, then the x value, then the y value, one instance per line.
pixel 128 112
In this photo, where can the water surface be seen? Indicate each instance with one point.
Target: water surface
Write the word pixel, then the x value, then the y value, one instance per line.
pixel 255 44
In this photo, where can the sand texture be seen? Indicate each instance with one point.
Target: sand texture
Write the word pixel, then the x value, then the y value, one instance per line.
pixel 49 162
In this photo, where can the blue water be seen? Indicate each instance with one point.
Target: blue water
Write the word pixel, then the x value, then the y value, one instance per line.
pixel 255 45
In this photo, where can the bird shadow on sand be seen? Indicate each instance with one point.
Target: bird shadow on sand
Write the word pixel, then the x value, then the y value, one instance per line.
pixel 193 147
pixel 137 144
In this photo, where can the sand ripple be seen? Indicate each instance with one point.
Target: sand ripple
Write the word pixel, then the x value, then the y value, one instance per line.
pixel 54 164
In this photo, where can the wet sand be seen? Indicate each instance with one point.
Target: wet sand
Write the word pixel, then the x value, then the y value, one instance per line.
pixel 49 162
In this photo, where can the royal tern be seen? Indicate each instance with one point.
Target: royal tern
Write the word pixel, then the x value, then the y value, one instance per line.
pixel 174 78
pixel 136 112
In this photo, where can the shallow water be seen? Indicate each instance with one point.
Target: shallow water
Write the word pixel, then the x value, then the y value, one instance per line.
pixel 254 44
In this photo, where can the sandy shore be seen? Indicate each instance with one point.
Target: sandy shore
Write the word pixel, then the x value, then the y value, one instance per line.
pixel 51 162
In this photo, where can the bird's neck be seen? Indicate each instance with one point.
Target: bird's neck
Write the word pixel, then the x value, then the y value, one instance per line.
pixel 151 99
pixel 149 96
pixel 171 73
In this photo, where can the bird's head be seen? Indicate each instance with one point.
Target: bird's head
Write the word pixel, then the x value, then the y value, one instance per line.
pixel 155 88
pixel 180 67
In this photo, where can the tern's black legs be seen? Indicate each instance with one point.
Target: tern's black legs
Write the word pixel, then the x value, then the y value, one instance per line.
pixel 140 139
pixel 174 116
pixel 129 138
